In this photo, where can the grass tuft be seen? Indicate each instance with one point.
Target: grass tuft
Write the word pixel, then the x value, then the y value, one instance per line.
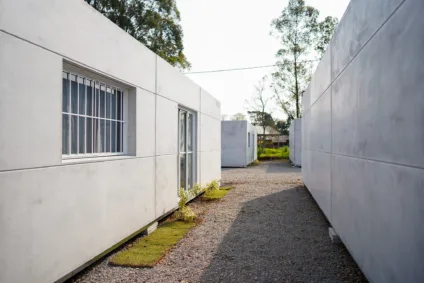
pixel 216 194
pixel 147 251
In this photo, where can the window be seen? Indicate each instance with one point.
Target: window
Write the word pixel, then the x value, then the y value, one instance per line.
pixel 248 139
pixel 92 117
pixel 187 155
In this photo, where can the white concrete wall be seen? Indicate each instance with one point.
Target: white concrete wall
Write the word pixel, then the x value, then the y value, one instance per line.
pixel 295 142
pixel 56 215
pixel 233 143
pixel 363 153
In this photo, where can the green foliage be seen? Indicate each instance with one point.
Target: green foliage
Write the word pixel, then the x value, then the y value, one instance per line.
pixel 283 126
pixel 256 162
pixel 215 194
pixel 184 212
pixel 274 153
pixel 155 23
pixel 300 33
pixel 197 189
pixel 238 117
pixel 147 251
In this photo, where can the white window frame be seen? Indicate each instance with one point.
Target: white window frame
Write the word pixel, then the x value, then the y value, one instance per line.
pixel 194 147
pixel 72 70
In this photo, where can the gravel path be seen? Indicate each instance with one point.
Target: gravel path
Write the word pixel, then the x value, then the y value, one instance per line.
pixel 267 229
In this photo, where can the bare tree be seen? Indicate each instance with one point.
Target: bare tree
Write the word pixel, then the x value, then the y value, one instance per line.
pixel 258 107
pixel 238 117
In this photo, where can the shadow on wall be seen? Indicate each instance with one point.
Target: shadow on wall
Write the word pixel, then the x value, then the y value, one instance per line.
pixel 281 237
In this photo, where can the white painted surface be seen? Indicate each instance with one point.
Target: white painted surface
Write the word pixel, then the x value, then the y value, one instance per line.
pixel 235 149
pixel 295 142
pixel 89 204
pixel 363 154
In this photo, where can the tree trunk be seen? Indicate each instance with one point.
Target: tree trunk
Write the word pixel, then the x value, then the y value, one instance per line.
pixel 296 87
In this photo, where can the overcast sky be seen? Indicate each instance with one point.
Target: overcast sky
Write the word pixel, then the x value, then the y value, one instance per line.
pixel 223 34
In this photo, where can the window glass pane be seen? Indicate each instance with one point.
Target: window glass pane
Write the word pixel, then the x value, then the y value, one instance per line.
pixel 113 137
pixel 65 93
pixel 74 134
pixel 81 136
pixel 97 100
pixel 89 98
pixel 190 132
pixel 102 136
pixel 96 135
pixel 108 129
pixel 182 171
pixel 74 94
pixel 89 136
pixel 102 105
pixel 119 102
pixel 182 131
pixel 65 134
pixel 81 94
pixel 108 102
pixel 190 170
pixel 113 104
pixel 119 128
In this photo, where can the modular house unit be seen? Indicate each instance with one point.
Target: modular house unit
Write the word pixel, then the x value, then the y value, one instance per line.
pixel 295 142
pixel 363 137
pixel 238 143
pixel 97 135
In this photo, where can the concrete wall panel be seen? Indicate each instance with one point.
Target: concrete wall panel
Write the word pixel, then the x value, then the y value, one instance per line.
pixel 92 40
pixel 166 183
pixel 172 84
pixel 70 212
pixel 377 110
pixel 166 126
pixel 146 105
pixel 379 217
pixel 320 124
pixel 210 142
pixel 30 136
pixel 361 20
pixel 209 105
pixel 210 166
pixel 321 79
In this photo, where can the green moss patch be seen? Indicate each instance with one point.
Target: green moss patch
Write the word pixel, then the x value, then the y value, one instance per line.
pixel 216 194
pixel 147 251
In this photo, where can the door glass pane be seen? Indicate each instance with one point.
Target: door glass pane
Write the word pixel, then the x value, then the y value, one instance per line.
pixel 190 132
pixel 119 128
pixel 182 171
pixel 182 131
pixel 119 106
pixel 113 137
pixel 65 134
pixel 81 134
pixel 189 170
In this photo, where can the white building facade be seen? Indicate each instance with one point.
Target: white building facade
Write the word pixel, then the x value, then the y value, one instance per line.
pixel 363 137
pixel 97 135
pixel 238 143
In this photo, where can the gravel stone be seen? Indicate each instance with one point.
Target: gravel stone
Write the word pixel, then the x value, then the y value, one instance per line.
pixel 267 229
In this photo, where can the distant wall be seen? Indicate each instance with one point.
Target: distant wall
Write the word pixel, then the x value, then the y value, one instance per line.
pixel 295 141
pixel 233 143
pixel 363 137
